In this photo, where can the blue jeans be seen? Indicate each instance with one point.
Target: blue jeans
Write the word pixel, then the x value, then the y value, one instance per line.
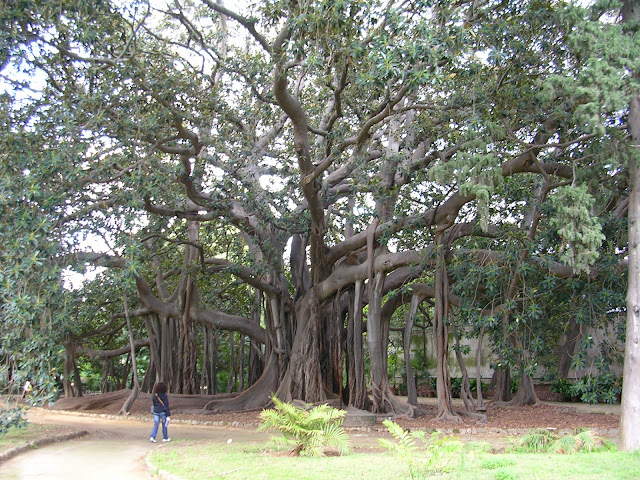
pixel 156 421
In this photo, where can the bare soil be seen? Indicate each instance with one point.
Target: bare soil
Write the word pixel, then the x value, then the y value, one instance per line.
pixel 501 420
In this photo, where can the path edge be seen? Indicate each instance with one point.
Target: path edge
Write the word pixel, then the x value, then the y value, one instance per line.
pixel 40 442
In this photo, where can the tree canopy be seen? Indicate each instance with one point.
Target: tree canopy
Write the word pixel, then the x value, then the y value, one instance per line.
pixel 296 171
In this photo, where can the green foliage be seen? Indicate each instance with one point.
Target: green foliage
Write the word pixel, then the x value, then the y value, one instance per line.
pixel 11 416
pixel 438 450
pixel 604 387
pixel 563 387
pixel 309 431
pixel 405 445
pixel 120 122
pixel 456 386
pixel 580 231
pixel 538 440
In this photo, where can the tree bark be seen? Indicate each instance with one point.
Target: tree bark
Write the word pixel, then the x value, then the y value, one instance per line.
pixel 134 364
pixel 501 383
pixel 412 392
pixel 630 415
pixel 443 378
pixel 479 369
pixel 256 356
pixel 567 349
pixel 357 385
pixel 379 379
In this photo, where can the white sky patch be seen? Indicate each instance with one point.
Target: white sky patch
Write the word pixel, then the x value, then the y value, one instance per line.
pixel 272 183
pixel 72 280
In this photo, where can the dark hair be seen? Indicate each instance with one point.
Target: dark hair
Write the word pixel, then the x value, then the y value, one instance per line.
pixel 160 387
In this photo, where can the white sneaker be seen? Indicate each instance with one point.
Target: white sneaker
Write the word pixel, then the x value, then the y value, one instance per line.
pixel 152 440
pixel 166 439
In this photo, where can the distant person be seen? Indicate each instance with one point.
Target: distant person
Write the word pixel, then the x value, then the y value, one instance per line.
pixel 160 410
pixel 26 389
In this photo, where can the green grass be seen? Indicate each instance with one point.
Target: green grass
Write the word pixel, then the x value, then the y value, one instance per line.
pixel 193 461
pixel 18 436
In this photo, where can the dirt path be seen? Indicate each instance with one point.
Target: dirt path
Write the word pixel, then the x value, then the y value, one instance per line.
pixel 113 449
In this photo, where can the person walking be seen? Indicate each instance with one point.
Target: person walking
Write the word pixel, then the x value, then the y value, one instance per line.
pixel 161 412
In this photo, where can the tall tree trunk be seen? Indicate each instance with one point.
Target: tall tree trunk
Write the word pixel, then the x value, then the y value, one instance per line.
pixel 232 363
pixel 331 354
pixel 149 378
pixel 412 392
pixel 480 405
pixel 501 382
pixel 630 416
pixel 68 372
pixel 379 378
pixel 443 377
pixel 134 364
pixel 256 356
pixel 104 381
pixel 205 379
pixel 567 349
pixel 77 380
pixel 242 360
pixel 526 394
pixel 465 387
pixel 214 361
pixel 152 325
pixel 355 355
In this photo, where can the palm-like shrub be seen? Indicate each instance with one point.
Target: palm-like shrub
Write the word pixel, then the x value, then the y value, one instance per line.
pixel 540 440
pixel 308 430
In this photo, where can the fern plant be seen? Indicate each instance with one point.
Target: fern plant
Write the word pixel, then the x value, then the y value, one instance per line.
pixel 437 448
pixel 405 446
pixel 308 431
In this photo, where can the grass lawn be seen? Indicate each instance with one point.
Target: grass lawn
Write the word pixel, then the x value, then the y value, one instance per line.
pixel 193 461
pixel 18 436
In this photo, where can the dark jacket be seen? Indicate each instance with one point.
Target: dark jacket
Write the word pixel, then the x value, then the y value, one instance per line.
pixel 158 406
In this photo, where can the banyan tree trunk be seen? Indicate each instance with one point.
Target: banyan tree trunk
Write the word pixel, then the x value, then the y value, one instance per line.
pixel 188 350
pixel 479 368
pixel 379 378
pixel 384 401
pixel 355 355
pixel 134 364
pixel 303 377
pixel 331 354
pixel 412 392
pixel 256 356
pixel 72 388
pixel 501 382
pixel 256 396
pixel 232 363
pixel 441 311
pixel 526 394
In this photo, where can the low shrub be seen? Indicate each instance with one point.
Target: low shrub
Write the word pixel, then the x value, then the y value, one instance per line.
pixel 545 441
pixel 438 450
pixel 307 430
pixel 605 387
pixel 562 387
